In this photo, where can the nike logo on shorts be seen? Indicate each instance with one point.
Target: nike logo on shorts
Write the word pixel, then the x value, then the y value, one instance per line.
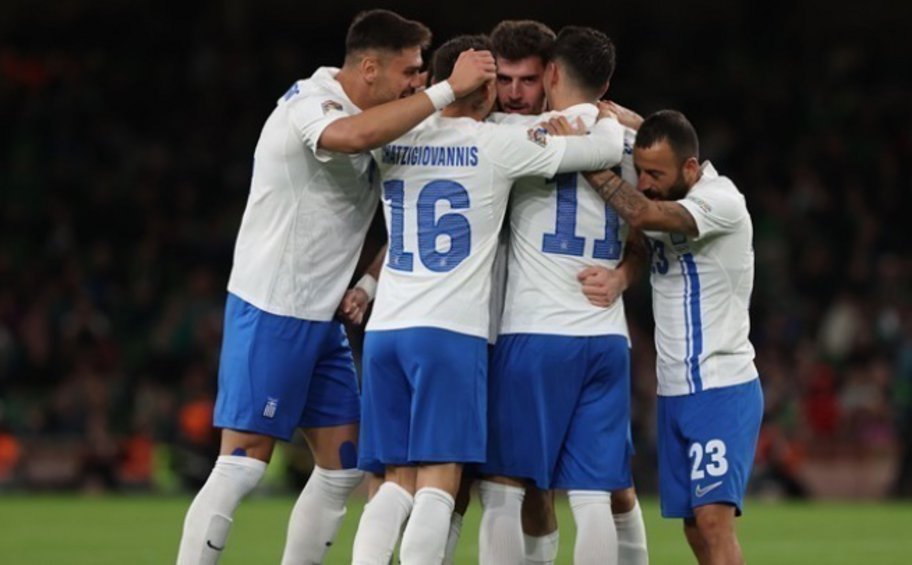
pixel 701 491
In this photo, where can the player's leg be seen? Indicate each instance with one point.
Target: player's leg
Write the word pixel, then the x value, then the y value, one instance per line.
pixel 631 531
pixel 595 459
pixel 541 537
pixel 500 533
pixel 462 504
pixel 383 439
pixel 321 506
pixel 448 375
pixel 533 390
pixel 330 423
pixel 721 426
pixel 239 468
pixel 716 525
pixel 695 540
pixel 264 375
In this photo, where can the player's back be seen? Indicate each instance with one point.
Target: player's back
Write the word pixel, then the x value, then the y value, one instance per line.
pixel 701 292
pixel 308 209
pixel 445 191
pixel 558 227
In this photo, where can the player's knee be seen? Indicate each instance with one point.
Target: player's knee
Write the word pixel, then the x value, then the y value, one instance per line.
pixel 243 444
pixel 623 501
pixel 715 523
pixel 538 516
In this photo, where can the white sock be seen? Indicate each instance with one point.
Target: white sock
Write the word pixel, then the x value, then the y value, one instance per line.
pixel 210 515
pixel 631 534
pixel 317 514
pixel 453 538
pixel 425 538
pixel 380 525
pixel 500 537
pixel 596 538
pixel 542 550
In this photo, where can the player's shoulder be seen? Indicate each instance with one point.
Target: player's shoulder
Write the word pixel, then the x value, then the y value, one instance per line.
pixel 717 193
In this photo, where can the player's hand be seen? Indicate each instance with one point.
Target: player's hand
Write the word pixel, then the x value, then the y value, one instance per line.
pixel 353 306
pixel 559 125
pixel 602 286
pixel 472 69
pixel 422 81
pixel 625 116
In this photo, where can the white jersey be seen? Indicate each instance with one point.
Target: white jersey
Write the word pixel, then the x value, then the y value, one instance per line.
pixel 558 227
pixel 701 289
pixel 445 190
pixel 308 209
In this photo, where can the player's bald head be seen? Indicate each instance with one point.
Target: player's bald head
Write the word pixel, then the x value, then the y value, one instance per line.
pixel 587 56
pixel 385 31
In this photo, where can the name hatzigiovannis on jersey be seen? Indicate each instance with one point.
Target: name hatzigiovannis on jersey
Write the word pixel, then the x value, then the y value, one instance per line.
pixel 430 155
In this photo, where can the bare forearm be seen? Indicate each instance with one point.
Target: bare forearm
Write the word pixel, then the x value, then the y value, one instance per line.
pixel 637 210
pixel 376 126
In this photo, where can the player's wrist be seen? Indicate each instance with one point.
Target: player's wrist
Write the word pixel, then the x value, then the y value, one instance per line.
pixel 368 284
pixel 441 94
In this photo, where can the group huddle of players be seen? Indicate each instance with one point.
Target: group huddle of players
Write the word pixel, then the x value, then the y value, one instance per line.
pixel 518 209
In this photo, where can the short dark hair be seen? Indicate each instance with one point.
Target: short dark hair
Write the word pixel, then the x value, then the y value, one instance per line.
pixel 588 56
pixel 670 126
pixel 517 39
pixel 444 58
pixel 383 29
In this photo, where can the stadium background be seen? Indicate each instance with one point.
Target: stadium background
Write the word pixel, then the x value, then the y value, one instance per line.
pixel 127 138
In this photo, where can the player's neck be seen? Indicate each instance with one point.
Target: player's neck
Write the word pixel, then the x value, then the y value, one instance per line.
pixel 561 100
pixel 463 110
pixel 355 88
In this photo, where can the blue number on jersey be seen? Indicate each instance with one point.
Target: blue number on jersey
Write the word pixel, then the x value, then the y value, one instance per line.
pixel 399 258
pixel 658 262
pixel 564 240
pixel 454 225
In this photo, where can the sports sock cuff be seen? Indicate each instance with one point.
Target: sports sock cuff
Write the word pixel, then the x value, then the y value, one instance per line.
pixel 438 495
pixel 624 517
pixel 239 461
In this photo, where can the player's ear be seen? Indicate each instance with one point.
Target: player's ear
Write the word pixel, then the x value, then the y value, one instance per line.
pixel 691 171
pixel 370 67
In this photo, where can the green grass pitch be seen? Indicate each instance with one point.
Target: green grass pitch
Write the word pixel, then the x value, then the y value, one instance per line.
pixel 145 530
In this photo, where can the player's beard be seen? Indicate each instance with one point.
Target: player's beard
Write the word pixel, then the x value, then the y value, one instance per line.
pixel 676 191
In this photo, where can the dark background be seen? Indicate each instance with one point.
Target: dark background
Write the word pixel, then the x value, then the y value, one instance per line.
pixel 126 137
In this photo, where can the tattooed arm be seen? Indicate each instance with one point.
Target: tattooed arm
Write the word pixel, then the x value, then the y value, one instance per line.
pixel 639 211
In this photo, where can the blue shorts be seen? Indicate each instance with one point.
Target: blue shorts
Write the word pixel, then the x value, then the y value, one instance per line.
pixel 424 397
pixel 559 411
pixel 706 447
pixel 279 373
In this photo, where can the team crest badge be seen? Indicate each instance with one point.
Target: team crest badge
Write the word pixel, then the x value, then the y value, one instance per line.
pixel 331 105
pixel 538 136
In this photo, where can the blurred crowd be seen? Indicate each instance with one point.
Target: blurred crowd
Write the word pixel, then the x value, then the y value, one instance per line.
pixel 124 167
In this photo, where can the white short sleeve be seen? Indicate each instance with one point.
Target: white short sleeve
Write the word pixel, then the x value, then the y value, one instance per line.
pixel 310 116
pixel 521 151
pixel 716 206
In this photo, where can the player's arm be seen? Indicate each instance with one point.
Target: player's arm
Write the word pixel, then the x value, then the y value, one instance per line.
pixel 637 210
pixel 354 303
pixel 386 122
pixel 602 286
pixel 603 147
